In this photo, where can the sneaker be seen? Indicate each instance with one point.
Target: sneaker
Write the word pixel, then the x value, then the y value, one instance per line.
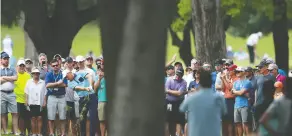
pixel 17 134
pixel 5 133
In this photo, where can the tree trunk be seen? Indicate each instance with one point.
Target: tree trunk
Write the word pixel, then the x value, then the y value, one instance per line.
pixel 209 32
pixel 52 35
pixel 280 34
pixel 185 50
pixel 134 64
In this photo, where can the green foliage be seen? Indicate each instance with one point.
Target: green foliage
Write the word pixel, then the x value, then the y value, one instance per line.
pixel 233 7
pixel 184 12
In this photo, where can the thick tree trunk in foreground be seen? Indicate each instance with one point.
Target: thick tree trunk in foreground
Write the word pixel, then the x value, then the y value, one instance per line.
pixel 209 32
pixel 55 34
pixel 134 53
pixel 280 34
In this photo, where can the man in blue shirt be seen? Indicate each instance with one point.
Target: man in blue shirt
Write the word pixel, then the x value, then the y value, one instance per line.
pixel 205 109
pixel 241 89
pixel 56 101
pixel 81 83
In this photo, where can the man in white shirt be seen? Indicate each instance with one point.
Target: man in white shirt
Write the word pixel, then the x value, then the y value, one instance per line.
pixel 81 65
pixel 251 43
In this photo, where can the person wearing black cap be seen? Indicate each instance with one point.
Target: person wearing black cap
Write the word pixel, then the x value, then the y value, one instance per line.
pixel 216 81
pixel 177 65
pixel 169 71
pixel 264 75
pixel 175 88
pixel 8 100
pixel 250 76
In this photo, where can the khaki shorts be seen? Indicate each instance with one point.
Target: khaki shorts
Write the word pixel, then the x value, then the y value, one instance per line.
pixel 101 111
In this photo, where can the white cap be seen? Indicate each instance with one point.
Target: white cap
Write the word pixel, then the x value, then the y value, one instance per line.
pixel 206 65
pixel 80 58
pixel 20 62
pixel 63 60
pixel 194 61
pixel 229 48
pixel 260 34
pixel 241 69
pixel 272 66
pixel 35 70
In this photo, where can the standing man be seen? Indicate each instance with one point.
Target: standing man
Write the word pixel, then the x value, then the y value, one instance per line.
pixel 28 65
pixel 100 86
pixel 8 98
pixel 241 90
pixel 89 63
pixel 175 88
pixel 273 68
pixel 81 67
pixel 23 113
pixel 216 80
pixel 251 43
pixel 56 101
pixel 204 108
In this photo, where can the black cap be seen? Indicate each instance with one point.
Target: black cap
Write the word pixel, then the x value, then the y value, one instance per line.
pixel 57 55
pixel 229 61
pixel 262 64
pixel 170 67
pixel 219 62
pixel 177 63
pixel 4 55
pixel 69 59
pixel 179 71
pixel 249 69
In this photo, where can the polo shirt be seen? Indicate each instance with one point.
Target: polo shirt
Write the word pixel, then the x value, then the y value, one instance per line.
pixel 20 85
pixel 52 78
pixel 173 84
pixel 101 90
pixel 35 92
pixel 80 80
pixel 7 86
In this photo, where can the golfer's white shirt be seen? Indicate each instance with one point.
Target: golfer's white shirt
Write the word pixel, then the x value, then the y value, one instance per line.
pixel 252 39
pixel 7 45
pixel 35 92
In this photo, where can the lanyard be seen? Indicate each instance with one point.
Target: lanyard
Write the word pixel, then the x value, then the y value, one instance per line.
pixel 57 76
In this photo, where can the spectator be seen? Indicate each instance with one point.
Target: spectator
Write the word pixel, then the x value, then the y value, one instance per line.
pixel 81 83
pixel 273 68
pixel 89 63
pixel 280 71
pixel 23 114
pixel 189 76
pixel 8 100
pixel 71 98
pixel 204 108
pixel 251 43
pixel 169 72
pixel 175 88
pixel 216 80
pixel 279 90
pixel 195 64
pixel 81 67
pixel 241 90
pixel 194 86
pixel 100 87
pixel 55 83
pixel 228 80
pixel 177 65
pixel 28 65
pixel 58 57
pixel 264 75
pixel 207 66
pixel 35 91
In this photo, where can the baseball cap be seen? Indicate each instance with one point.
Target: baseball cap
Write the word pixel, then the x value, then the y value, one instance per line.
pixel 28 59
pixel 57 55
pixel 69 59
pixel 194 61
pixel 177 63
pixel 240 69
pixel 170 67
pixel 219 62
pixel 80 58
pixel 35 70
pixel 89 57
pixel 262 64
pixel 260 34
pixel 4 55
pixel 206 65
pixel 272 66
pixel 20 62
pixel 232 67
pixel 278 84
pixel 229 61
pixel 179 71
pixel 249 69
pixel 269 61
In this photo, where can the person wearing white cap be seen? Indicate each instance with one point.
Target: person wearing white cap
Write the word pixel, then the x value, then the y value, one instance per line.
pixel 20 83
pixel 273 68
pixel 251 43
pixel 241 89
pixel 81 65
pixel 35 91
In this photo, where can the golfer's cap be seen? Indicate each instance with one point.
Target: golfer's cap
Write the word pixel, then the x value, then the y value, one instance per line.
pixel 80 58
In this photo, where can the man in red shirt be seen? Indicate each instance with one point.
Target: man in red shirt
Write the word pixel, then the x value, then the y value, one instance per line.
pixel 273 68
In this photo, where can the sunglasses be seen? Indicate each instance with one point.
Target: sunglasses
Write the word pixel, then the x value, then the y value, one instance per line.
pixel 54 65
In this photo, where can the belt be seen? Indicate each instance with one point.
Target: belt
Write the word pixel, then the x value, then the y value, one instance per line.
pixel 8 92
pixel 59 96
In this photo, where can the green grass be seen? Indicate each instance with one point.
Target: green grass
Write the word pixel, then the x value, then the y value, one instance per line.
pixel 89 39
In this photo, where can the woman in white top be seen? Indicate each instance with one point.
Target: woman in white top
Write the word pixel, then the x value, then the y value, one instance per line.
pixel 35 91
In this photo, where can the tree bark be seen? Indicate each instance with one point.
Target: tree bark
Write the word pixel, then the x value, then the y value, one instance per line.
pixel 185 50
pixel 134 41
pixel 209 30
pixel 52 35
pixel 280 34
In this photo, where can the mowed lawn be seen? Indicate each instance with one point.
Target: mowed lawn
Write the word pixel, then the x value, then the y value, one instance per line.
pixel 89 38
